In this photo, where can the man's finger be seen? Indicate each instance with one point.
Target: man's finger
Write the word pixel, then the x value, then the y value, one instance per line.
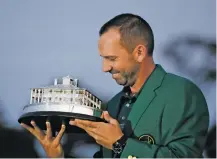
pixel 109 119
pixel 84 125
pixel 60 135
pixel 30 129
pixel 38 131
pixel 97 137
pixel 91 134
pixel 88 126
pixel 35 126
pixel 93 130
pixel 49 130
pixel 80 125
pixel 87 123
pixel 102 116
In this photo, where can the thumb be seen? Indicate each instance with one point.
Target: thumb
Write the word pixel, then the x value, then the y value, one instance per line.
pixel 108 118
pixel 102 115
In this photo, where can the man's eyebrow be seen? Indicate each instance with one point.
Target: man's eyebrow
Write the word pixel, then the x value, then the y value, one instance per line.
pixel 109 56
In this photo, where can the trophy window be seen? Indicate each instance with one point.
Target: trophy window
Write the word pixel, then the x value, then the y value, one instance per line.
pixel 44 99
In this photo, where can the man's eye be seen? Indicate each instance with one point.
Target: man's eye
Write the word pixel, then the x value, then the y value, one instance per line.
pixel 112 58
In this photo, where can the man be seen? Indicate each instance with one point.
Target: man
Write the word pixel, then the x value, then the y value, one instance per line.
pixel 157 114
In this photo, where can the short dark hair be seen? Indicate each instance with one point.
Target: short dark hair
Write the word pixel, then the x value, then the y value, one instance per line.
pixel 133 30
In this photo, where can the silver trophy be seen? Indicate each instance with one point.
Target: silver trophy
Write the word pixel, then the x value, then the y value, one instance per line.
pixel 59 103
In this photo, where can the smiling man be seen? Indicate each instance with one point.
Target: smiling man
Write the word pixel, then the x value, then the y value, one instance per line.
pixel 156 114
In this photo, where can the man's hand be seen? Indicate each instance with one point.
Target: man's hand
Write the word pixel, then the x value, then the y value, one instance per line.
pixel 105 134
pixel 51 145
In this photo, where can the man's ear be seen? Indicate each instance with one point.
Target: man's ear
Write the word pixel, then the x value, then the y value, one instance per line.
pixel 140 52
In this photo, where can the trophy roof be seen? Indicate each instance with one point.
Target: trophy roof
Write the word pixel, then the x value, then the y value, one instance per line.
pixel 60 86
pixel 67 83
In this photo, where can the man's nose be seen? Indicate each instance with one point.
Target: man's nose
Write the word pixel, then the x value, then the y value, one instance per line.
pixel 106 67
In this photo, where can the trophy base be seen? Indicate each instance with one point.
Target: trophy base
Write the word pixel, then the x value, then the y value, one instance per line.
pixel 56 119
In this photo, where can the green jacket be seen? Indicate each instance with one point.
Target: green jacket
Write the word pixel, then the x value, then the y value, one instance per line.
pixel 170 115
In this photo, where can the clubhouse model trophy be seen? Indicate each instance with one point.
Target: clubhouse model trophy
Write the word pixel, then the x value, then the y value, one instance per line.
pixel 59 103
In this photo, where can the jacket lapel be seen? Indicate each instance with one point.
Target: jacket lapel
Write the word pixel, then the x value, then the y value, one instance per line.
pixel 114 105
pixel 146 96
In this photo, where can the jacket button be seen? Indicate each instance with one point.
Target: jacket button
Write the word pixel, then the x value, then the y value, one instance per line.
pixel 130 157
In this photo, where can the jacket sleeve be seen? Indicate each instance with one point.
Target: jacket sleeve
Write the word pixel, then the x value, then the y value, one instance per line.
pixel 184 125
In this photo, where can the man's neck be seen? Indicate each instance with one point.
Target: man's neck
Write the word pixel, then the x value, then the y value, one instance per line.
pixel 143 74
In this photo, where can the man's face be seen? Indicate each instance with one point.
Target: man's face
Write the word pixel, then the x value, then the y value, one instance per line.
pixel 116 59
